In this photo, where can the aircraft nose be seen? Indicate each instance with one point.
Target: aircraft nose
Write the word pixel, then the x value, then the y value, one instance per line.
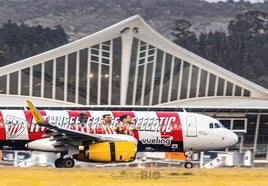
pixel 233 138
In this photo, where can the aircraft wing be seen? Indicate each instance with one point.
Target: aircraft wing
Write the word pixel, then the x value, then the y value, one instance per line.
pixel 68 136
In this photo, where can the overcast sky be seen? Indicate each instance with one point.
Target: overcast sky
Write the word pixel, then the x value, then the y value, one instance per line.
pixel 252 1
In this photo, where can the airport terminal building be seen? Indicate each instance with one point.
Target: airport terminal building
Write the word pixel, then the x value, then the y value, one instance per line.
pixel 130 64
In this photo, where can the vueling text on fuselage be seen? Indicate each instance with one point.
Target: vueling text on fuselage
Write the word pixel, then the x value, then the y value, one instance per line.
pixel 163 124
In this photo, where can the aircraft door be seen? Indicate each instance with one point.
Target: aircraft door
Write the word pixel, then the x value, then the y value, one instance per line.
pixel 191 126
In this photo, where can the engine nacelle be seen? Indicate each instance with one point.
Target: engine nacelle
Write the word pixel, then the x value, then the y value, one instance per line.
pixel 119 151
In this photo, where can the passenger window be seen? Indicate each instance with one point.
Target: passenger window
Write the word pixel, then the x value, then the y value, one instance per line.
pixel 217 125
pixel 211 125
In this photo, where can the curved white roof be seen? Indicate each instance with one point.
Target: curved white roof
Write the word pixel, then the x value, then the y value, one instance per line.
pixel 221 103
pixel 132 28
pixel 20 101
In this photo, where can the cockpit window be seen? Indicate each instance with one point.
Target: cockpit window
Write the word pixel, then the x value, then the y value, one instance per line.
pixel 215 125
pixel 221 125
pixel 211 125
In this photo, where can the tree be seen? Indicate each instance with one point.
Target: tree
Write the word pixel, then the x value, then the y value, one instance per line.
pixel 22 41
pixel 248 36
pixel 253 22
pixel 242 51
pixel 183 35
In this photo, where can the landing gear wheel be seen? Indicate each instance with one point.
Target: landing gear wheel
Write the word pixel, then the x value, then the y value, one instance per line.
pixel 68 163
pixel 59 163
pixel 188 165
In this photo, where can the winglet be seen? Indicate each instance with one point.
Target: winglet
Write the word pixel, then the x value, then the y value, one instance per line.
pixel 36 114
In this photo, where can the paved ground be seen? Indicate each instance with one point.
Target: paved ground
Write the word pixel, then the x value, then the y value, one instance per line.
pixel 47 176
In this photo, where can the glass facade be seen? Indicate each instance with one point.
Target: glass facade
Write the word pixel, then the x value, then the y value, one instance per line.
pixel 93 76
pixel 253 133
pixel 60 78
pixel 3 84
pixel 36 80
pixel 25 81
pixel 13 80
pixel 48 74
pixel 82 76
pixel 71 77
pixel 158 77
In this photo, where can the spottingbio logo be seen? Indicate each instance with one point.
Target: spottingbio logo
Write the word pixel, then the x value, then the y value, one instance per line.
pixel 141 175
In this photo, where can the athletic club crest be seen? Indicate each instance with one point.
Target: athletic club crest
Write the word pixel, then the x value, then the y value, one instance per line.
pixel 14 126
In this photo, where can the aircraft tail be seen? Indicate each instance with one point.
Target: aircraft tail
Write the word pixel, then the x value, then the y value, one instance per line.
pixel 36 114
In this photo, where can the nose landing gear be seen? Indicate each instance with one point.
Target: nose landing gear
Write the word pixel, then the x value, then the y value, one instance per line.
pixel 187 163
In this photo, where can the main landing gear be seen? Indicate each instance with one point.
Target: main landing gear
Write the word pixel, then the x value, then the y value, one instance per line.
pixel 64 162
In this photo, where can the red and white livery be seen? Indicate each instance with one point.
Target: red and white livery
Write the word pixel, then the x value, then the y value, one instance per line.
pixel 76 137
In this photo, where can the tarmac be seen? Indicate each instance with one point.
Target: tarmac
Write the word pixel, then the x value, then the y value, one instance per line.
pixel 49 176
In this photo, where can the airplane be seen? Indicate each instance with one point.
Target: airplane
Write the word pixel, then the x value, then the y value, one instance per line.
pixel 74 134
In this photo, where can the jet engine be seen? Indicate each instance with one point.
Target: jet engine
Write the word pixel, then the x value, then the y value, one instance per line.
pixel 119 151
